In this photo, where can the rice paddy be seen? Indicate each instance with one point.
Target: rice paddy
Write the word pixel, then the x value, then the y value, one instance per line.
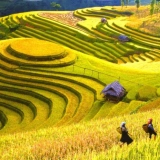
pixel 53 68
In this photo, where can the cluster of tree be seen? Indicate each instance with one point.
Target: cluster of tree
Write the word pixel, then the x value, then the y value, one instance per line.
pixel 126 2
pixel 6 29
pixel 55 5
pixel 154 5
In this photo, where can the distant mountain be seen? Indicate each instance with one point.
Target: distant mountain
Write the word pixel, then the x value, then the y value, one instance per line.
pixel 16 6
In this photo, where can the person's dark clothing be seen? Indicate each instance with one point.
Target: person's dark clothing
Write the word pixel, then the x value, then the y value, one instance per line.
pixel 125 138
pixel 151 130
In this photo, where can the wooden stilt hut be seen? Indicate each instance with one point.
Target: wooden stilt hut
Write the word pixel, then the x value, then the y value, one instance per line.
pixel 114 92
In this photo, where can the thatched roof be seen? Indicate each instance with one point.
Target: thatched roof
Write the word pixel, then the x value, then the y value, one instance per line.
pixel 114 89
pixel 123 38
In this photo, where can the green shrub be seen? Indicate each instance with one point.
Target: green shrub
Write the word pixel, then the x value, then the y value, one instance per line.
pixel 13 27
pixel 146 93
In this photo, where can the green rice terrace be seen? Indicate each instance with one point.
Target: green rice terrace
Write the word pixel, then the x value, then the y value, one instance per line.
pixel 54 65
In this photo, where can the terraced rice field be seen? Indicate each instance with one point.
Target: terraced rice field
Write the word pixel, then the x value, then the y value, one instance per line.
pixel 42 96
pixel 91 39
pixel 54 66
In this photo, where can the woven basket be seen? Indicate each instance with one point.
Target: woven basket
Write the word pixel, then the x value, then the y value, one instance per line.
pixel 119 130
pixel 145 128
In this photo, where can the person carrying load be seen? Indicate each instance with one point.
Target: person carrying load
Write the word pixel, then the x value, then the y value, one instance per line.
pixel 125 138
pixel 151 130
pixel 148 128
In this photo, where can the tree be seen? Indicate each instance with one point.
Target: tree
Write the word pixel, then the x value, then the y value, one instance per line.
pixel 127 2
pixel 56 6
pixel 157 6
pixel 122 3
pixel 152 9
pixel 137 3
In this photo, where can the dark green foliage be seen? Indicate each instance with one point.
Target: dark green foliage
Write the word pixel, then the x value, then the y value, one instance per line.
pixel 137 3
pixel 56 6
pixel 4 27
pixel 13 27
pixel 7 26
pixel 152 9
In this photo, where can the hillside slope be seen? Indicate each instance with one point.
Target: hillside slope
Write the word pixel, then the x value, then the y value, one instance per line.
pixel 71 57
pixel 92 140
pixel 53 67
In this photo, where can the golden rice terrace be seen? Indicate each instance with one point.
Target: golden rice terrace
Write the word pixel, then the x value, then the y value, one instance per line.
pixel 52 72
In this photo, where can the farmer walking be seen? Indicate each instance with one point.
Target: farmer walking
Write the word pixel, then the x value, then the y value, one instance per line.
pixel 151 130
pixel 125 138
